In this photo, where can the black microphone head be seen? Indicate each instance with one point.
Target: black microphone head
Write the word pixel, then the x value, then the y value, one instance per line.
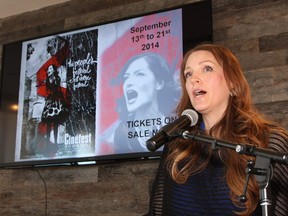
pixel 192 115
pixel 187 119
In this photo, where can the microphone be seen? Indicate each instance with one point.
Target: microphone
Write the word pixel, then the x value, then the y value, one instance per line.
pixel 188 118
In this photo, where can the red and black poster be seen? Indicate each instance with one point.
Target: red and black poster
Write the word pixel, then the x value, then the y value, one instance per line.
pixel 58 97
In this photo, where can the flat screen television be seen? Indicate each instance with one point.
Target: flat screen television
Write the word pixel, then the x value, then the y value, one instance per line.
pixel 95 94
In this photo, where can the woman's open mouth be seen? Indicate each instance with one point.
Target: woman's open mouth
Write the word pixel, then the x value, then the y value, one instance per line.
pixel 131 96
pixel 199 93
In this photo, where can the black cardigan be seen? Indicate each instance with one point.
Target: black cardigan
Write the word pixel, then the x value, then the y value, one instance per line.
pixel 162 203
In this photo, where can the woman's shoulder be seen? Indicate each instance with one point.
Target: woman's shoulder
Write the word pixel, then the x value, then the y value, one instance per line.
pixel 278 141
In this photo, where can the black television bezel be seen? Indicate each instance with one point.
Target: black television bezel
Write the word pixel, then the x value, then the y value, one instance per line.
pixel 203 33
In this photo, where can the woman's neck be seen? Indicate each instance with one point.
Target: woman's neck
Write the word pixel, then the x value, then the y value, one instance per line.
pixel 210 120
pixel 148 112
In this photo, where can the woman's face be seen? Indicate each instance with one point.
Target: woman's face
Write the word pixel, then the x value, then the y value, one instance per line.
pixel 140 86
pixel 206 84
pixel 50 70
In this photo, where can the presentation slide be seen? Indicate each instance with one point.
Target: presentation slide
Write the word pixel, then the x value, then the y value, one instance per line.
pixel 98 91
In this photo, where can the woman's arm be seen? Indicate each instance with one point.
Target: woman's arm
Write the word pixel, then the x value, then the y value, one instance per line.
pixel 279 182
pixel 156 195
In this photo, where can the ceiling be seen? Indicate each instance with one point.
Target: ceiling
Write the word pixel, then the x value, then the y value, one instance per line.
pixel 14 7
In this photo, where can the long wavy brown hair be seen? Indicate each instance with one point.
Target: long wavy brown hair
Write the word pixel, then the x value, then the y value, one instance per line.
pixel 241 123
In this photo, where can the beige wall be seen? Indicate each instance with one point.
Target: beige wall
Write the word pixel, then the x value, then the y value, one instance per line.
pixel 256 31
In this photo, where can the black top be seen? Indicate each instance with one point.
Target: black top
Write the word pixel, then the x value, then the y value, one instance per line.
pixel 207 193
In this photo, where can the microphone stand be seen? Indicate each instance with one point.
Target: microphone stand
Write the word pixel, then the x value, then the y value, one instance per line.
pixel 262 169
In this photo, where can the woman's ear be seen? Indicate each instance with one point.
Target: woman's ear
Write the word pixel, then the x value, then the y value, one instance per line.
pixel 159 85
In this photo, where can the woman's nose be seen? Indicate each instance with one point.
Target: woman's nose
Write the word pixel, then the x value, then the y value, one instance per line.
pixel 195 80
pixel 128 81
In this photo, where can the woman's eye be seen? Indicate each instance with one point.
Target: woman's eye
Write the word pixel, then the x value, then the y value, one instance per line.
pixel 187 75
pixel 125 78
pixel 208 68
pixel 139 74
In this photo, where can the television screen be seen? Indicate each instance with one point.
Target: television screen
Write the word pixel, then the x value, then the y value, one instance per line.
pixel 98 93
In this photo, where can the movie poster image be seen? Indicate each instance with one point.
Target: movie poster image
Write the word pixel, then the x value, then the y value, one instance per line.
pixel 57 99
pixel 138 80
